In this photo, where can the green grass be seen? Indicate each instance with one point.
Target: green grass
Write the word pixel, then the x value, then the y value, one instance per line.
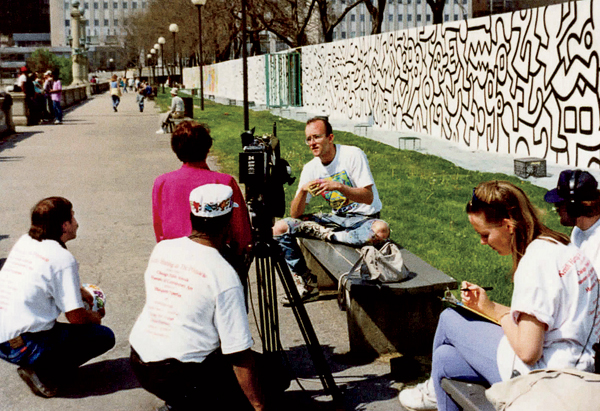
pixel 423 196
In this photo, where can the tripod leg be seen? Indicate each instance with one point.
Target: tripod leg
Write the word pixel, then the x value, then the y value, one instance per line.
pixel 310 337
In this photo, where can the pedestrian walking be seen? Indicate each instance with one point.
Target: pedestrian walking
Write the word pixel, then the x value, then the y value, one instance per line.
pixel 56 97
pixel 115 92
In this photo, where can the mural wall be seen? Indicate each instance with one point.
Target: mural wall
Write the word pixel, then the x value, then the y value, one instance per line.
pixel 524 83
pixel 230 75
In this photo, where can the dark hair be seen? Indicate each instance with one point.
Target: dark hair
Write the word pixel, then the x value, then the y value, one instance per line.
pixel 191 141
pixel 48 217
pixel 499 200
pixel 325 120
pixel 210 225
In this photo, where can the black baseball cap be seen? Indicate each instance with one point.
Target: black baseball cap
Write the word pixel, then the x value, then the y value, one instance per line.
pixel 586 187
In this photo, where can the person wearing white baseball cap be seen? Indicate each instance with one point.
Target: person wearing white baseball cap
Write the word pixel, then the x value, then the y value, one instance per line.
pixel 191 344
pixel 177 110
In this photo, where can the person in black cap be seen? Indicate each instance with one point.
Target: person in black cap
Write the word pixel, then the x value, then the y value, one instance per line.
pixel 577 201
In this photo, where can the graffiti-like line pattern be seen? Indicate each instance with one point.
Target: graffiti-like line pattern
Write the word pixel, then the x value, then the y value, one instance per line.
pixel 523 83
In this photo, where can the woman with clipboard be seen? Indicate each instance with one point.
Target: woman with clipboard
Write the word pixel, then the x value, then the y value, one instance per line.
pixel 552 320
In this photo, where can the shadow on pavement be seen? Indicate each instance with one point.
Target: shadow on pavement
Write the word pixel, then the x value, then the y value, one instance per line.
pixel 12 140
pixel 102 378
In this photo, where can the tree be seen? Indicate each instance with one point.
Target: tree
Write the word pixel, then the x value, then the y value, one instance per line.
pixel 287 19
pixel 42 60
pixel 437 9
pixel 326 11
pixel 376 14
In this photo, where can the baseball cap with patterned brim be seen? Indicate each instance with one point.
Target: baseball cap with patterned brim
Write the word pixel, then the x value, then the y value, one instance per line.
pixel 212 200
pixel 585 187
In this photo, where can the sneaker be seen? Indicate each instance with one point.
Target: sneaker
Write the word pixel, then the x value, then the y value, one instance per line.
pixel 57 122
pixel 161 131
pixel 314 230
pixel 164 407
pixel 421 397
pixel 37 386
pixel 308 290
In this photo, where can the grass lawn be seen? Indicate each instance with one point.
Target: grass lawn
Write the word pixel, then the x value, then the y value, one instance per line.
pixel 423 196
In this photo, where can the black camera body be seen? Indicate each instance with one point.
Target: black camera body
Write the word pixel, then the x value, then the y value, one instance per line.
pixel 264 172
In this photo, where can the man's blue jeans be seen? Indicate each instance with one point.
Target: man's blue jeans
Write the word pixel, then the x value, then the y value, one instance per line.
pixel 61 349
pixel 58 114
pixel 351 229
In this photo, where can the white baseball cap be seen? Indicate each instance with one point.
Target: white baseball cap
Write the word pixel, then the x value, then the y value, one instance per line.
pixel 211 200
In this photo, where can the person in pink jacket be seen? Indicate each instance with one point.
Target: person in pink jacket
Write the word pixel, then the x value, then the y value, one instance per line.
pixel 191 143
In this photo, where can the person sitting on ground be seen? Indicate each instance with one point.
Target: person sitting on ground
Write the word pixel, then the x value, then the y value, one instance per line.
pixel 191 343
pixel 341 175
pixel 177 110
pixel 191 142
pixel 553 318
pixel 39 280
pixel 577 201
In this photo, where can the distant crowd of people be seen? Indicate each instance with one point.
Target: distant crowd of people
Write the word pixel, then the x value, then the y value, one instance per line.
pixel 43 94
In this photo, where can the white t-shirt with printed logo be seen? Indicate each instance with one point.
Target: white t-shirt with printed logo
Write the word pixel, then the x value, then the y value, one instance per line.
pixel 194 305
pixel 39 280
pixel 350 167
pixel 557 285
pixel 588 242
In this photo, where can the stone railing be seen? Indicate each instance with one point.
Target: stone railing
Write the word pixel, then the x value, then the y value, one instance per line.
pixel 70 96
pixel 6 123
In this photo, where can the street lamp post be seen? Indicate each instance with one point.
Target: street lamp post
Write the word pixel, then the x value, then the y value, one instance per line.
pixel 111 63
pixel 149 63
pixel 174 28
pixel 153 62
pixel 161 42
pixel 156 49
pixel 199 4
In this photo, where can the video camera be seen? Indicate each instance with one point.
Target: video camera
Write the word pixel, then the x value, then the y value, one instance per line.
pixel 264 172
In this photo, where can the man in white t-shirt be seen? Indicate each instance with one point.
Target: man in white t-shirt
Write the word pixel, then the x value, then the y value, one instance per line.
pixel 577 201
pixel 341 175
pixel 38 282
pixel 190 346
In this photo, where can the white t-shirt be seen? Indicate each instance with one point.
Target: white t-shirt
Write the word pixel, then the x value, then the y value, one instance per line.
pixel 177 104
pixel 558 285
pixel 194 305
pixel 350 167
pixel 39 280
pixel 588 242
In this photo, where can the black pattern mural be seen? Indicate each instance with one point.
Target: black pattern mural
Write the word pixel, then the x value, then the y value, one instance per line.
pixel 524 83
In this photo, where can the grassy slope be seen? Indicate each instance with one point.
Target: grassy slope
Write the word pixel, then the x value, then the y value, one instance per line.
pixel 423 196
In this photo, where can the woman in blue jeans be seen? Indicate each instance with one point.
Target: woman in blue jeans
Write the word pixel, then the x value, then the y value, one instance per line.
pixel 552 321
pixel 39 281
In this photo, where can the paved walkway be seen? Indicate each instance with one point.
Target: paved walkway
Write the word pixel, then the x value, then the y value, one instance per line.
pixel 105 163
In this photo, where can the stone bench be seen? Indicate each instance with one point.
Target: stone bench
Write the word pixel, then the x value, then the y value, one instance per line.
pixel 383 318
pixel 174 122
pixel 469 396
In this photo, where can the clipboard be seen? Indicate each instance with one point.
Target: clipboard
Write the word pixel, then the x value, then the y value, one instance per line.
pixel 455 302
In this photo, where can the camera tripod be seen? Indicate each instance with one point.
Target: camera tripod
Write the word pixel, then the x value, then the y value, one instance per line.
pixel 268 262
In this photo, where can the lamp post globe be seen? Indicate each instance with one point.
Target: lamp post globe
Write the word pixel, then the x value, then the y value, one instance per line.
pixel 111 63
pixel 199 4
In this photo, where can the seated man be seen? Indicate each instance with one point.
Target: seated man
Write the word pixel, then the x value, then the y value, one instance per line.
pixel 38 281
pixel 340 174
pixel 191 344
pixel 177 110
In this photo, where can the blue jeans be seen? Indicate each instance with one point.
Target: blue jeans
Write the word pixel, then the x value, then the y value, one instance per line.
pixel 464 348
pixel 58 114
pixel 351 229
pixel 61 349
pixel 116 100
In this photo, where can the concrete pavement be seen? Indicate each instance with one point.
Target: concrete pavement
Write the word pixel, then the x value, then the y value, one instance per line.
pixel 105 163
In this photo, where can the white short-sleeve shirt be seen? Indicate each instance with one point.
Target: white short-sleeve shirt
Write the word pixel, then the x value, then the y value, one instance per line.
pixel 39 280
pixel 557 285
pixel 349 167
pixel 194 305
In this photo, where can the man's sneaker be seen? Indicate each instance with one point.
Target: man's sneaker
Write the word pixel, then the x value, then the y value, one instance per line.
pixel 37 386
pixel 421 397
pixel 308 290
pixel 161 131
pixel 314 230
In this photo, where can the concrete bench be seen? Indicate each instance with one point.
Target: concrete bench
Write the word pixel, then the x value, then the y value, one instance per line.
pixel 362 129
pixel 383 318
pixel 469 396
pixel 174 122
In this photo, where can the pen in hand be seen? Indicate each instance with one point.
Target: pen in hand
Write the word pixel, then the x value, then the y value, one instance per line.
pixel 485 288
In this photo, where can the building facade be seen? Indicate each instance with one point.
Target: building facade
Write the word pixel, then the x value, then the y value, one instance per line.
pixel 398 15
